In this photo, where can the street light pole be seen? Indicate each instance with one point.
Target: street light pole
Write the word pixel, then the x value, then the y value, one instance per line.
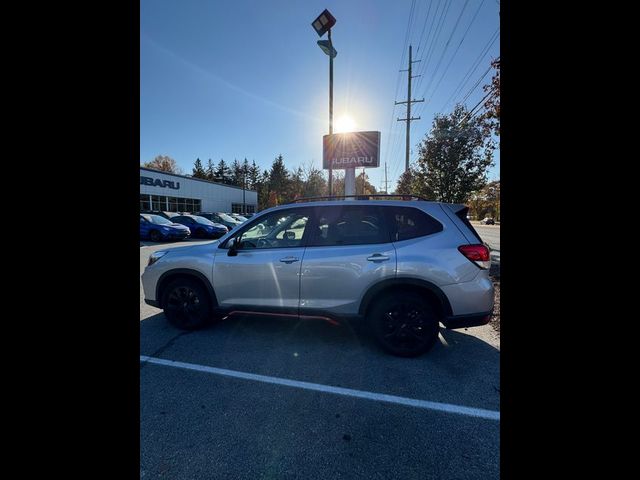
pixel 330 110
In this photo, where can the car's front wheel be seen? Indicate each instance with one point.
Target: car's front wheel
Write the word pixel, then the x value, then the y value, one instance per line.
pixel 404 324
pixel 187 304
pixel 155 236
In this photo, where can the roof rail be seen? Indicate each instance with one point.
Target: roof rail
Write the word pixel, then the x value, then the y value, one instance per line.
pixel 376 196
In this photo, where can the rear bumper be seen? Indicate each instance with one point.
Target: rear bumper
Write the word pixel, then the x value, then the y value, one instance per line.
pixel 464 321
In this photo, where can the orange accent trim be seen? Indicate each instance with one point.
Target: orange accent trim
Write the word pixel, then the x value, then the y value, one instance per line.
pixel 309 317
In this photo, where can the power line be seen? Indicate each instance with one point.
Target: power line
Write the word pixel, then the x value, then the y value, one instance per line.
pixel 438 31
pixel 428 45
pixel 406 41
pixel 446 46
pixel 473 68
pixel 475 85
pixel 464 35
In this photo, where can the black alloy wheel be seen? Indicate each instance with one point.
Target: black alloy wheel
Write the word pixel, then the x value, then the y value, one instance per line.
pixel 186 304
pixel 405 324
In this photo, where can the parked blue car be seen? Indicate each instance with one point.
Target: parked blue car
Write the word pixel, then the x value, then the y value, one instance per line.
pixel 200 226
pixel 157 228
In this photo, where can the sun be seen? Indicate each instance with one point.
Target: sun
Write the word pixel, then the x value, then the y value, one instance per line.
pixel 344 124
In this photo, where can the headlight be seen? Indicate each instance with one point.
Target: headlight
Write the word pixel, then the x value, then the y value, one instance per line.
pixel 155 256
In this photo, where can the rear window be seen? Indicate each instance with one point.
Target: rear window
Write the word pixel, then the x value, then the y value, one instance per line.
pixel 462 215
pixel 407 222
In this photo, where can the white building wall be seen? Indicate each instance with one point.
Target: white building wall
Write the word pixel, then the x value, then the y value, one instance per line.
pixel 215 197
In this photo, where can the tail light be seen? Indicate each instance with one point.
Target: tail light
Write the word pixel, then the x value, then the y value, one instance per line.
pixel 478 254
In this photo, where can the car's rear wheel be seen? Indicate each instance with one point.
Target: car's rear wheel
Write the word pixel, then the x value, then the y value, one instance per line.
pixel 404 324
pixel 186 304
pixel 155 236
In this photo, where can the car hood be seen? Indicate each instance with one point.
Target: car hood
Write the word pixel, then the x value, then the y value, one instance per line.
pixel 179 226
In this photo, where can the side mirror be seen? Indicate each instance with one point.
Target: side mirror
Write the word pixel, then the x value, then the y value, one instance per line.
pixel 289 235
pixel 233 247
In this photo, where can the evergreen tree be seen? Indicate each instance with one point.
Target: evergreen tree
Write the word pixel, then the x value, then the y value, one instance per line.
pixel 222 173
pixel 210 171
pixel 198 171
pixel 253 176
pixel 236 173
pixel 278 179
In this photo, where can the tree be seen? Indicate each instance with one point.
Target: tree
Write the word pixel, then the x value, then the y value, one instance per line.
pixel 315 184
pixel 454 157
pixel 222 173
pixel 296 185
pixel 492 104
pixel 278 179
pixel 406 182
pixel 363 187
pixel 198 170
pixel 210 170
pixel 263 191
pixel 486 202
pixel 237 174
pixel 163 163
pixel 253 176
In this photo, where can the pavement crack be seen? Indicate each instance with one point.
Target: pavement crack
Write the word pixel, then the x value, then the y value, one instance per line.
pixel 169 343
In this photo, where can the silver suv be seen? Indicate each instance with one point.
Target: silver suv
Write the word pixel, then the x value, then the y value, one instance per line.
pixel 404 267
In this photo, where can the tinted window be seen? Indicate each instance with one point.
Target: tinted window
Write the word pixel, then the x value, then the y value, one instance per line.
pixel 346 225
pixel 407 222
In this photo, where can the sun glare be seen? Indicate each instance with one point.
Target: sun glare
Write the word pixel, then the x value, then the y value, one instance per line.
pixel 344 124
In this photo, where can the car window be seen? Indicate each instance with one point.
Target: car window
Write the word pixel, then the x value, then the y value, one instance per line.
pixel 280 229
pixel 346 225
pixel 408 222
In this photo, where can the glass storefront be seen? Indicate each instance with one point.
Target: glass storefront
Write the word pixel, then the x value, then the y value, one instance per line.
pixel 169 204
pixel 240 208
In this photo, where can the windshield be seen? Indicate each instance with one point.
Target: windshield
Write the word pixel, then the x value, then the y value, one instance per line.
pixel 157 219
pixel 202 220
pixel 227 218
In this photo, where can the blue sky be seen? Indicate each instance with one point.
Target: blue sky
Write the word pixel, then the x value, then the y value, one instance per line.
pixel 245 78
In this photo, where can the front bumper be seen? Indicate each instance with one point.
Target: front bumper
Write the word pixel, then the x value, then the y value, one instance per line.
pixel 176 235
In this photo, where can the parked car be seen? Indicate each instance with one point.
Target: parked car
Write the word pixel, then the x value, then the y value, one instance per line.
pixel 157 228
pixel 488 221
pixel 401 266
pixel 200 226
pixel 237 216
pixel 167 215
pixel 222 218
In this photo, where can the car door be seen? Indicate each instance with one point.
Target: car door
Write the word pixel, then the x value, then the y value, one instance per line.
pixel 348 251
pixel 265 273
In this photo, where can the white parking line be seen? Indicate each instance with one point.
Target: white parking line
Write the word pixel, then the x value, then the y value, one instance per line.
pixel 380 397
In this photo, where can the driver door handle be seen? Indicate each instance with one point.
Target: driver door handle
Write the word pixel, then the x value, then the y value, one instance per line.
pixel 289 259
pixel 376 257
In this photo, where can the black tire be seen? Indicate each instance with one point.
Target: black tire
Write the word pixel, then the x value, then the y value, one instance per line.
pixel 155 236
pixel 404 324
pixel 187 304
pixel 201 233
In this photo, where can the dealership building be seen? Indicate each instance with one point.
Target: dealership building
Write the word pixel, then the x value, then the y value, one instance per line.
pixel 168 192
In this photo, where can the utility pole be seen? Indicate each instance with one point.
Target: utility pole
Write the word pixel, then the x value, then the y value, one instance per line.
pixel 386 183
pixel 409 118
pixel 330 110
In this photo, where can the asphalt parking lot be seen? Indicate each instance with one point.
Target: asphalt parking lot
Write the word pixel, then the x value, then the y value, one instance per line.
pixel 279 398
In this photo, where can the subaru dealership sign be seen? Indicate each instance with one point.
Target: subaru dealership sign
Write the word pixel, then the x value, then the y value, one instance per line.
pixel 350 150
